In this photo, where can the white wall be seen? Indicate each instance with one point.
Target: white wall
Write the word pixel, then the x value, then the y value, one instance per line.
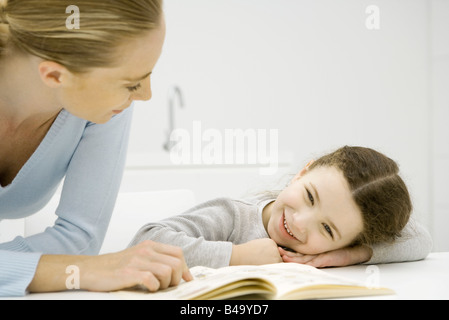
pixel 439 44
pixel 316 73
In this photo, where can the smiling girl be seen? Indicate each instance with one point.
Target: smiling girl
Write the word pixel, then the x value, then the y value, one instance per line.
pixel 350 206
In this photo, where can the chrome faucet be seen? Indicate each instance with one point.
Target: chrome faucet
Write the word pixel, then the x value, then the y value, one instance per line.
pixel 173 93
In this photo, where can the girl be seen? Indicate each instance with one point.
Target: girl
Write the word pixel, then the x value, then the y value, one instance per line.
pixel 65 95
pixel 347 207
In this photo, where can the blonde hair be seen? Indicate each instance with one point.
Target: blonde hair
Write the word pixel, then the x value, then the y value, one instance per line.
pixel 38 27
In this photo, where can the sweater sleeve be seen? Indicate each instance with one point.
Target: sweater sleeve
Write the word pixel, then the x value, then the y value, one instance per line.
pixel 88 197
pixel 415 243
pixel 16 272
pixel 202 232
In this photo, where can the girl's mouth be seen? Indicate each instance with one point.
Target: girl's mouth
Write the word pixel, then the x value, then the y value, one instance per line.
pixel 286 228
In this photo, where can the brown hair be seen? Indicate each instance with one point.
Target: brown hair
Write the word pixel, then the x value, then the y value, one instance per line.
pixel 38 27
pixel 377 189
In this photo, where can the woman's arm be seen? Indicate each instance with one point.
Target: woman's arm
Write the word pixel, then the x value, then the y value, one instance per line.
pixel 92 181
pixel 16 272
pixel 152 265
pixel 91 184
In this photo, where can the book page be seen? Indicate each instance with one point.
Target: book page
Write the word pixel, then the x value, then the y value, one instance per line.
pixel 206 280
pixel 270 281
pixel 291 277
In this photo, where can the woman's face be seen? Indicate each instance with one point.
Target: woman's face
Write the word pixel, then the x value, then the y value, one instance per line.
pixel 315 213
pixel 103 92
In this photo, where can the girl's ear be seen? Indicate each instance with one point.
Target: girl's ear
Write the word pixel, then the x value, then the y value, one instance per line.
pixel 301 173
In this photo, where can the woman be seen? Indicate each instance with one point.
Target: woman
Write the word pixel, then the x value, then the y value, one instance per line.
pixel 349 206
pixel 65 97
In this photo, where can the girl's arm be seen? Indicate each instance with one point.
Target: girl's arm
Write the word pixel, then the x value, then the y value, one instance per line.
pixel 414 244
pixel 216 233
pixel 202 232
pixel 336 258
pixel 255 252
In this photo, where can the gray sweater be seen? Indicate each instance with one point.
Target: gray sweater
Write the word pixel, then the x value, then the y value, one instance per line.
pixel 207 232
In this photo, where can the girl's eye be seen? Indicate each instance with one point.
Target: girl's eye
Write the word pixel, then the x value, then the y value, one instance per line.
pixel 328 230
pixel 134 88
pixel 312 201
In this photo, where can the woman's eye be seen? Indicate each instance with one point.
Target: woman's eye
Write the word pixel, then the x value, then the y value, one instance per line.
pixel 328 230
pixel 134 88
pixel 312 201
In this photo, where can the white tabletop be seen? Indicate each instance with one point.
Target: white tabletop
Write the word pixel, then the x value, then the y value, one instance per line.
pixel 426 279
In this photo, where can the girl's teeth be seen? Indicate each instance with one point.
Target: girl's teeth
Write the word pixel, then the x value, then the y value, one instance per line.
pixel 286 228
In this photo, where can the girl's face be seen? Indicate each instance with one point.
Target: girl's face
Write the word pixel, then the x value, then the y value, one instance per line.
pixel 103 92
pixel 315 213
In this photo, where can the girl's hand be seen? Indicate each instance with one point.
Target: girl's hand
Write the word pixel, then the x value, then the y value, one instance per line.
pixel 290 256
pixel 255 252
pixel 336 258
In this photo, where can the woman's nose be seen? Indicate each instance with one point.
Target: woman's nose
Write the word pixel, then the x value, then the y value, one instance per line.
pixel 145 93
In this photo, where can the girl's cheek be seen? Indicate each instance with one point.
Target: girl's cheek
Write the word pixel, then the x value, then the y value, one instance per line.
pixel 293 199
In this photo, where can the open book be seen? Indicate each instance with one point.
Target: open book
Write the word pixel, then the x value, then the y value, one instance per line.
pixel 282 281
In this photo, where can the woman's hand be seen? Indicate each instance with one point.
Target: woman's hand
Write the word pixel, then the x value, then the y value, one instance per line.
pixel 259 251
pixel 149 264
pixel 336 258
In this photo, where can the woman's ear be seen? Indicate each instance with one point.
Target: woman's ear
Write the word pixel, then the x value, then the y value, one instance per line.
pixel 52 73
pixel 303 171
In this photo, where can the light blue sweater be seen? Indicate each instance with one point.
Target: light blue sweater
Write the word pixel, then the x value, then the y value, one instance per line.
pixel 91 158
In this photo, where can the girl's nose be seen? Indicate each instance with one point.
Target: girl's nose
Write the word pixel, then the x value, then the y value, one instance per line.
pixel 301 222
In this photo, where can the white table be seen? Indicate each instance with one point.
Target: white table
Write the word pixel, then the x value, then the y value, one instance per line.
pixel 426 279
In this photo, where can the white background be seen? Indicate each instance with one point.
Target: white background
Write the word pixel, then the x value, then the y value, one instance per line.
pixel 316 73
